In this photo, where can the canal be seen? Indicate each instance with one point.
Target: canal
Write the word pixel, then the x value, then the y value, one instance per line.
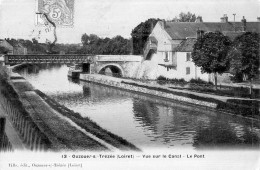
pixel 146 121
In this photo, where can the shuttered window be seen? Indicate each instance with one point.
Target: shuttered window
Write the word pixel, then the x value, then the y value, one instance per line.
pixel 187 70
pixel 188 55
pixel 166 59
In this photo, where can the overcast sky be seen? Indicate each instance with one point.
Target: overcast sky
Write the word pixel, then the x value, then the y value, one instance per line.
pixel 116 17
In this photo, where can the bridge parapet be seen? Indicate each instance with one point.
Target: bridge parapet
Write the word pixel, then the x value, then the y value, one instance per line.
pixel 69 58
pixel 125 58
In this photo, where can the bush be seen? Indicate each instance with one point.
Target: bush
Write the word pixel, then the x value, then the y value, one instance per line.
pixel 179 80
pixel 174 80
pixel 200 81
pixel 161 78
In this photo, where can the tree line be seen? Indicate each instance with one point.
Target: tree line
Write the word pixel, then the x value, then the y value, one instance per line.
pixel 92 44
pixel 34 47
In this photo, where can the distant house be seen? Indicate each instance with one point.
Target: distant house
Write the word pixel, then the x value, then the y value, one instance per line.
pixel 170 44
pixel 13 48
pixel 6 45
pixel 18 48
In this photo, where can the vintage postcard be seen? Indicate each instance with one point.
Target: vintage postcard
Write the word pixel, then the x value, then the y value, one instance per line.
pixel 127 84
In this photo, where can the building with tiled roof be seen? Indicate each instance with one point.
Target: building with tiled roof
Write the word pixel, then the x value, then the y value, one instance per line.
pixel 18 48
pixel 12 47
pixel 9 48
pixel 170 44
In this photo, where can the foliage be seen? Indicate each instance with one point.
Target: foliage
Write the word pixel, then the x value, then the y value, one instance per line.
pixel 3 50
pixel 92 44
pixel 34 41
pixel 185 17
pixel 244 56
pixel 140 34
pixel 235 57
pixel 89 39
pixel 210 53
pixel 33 47
pixel 163 80
pixel 199 81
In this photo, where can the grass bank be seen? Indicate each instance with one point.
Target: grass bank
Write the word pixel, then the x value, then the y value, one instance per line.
pixel 89 125
pixel 201 86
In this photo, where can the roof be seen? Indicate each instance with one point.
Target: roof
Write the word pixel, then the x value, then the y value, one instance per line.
pixel 232 34
pixel 15 44
pixel 186 45
pixel 2 40
pixel 6 44
pixel 182 30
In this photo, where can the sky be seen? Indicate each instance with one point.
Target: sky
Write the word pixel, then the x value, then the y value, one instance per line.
pixel 108 18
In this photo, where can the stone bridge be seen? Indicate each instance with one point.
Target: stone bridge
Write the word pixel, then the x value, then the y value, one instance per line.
pixel 115 65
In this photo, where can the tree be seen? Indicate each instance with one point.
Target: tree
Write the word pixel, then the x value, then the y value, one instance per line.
pixel 185 17
pixel 34 41
pixel 3 50
pixel 140 34
pixel 85 39
pixel 93 38
pixel 210 53
pixel 244 58
pixel 235 57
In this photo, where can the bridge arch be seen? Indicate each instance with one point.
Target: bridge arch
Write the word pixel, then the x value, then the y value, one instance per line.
pixel 116 70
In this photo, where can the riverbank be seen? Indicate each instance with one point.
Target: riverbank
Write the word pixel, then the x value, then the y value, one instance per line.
pixel 62 128
pixel 237 106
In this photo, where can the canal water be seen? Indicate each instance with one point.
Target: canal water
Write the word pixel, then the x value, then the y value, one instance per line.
pixel 146 121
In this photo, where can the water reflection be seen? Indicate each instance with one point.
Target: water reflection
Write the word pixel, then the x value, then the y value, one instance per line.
pixel 174 124
pixel 147 121
pixel 231 134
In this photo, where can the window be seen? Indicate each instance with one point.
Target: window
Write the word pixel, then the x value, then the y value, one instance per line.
pixel 188 55
pixel 166 59
pixel 187 70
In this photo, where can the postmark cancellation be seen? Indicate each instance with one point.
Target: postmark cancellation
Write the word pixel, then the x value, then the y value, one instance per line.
pixel 61 12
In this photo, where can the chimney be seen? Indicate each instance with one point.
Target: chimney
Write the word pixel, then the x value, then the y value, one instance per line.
pixel 243 24
pixel 224 18
pixel 199 19
pixel 163 24
pixel 258 19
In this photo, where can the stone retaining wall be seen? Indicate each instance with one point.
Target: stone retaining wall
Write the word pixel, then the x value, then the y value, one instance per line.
pixel 114 82
pixel 27 130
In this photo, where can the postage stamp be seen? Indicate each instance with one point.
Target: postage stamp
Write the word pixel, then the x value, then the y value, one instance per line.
pixel 61 12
